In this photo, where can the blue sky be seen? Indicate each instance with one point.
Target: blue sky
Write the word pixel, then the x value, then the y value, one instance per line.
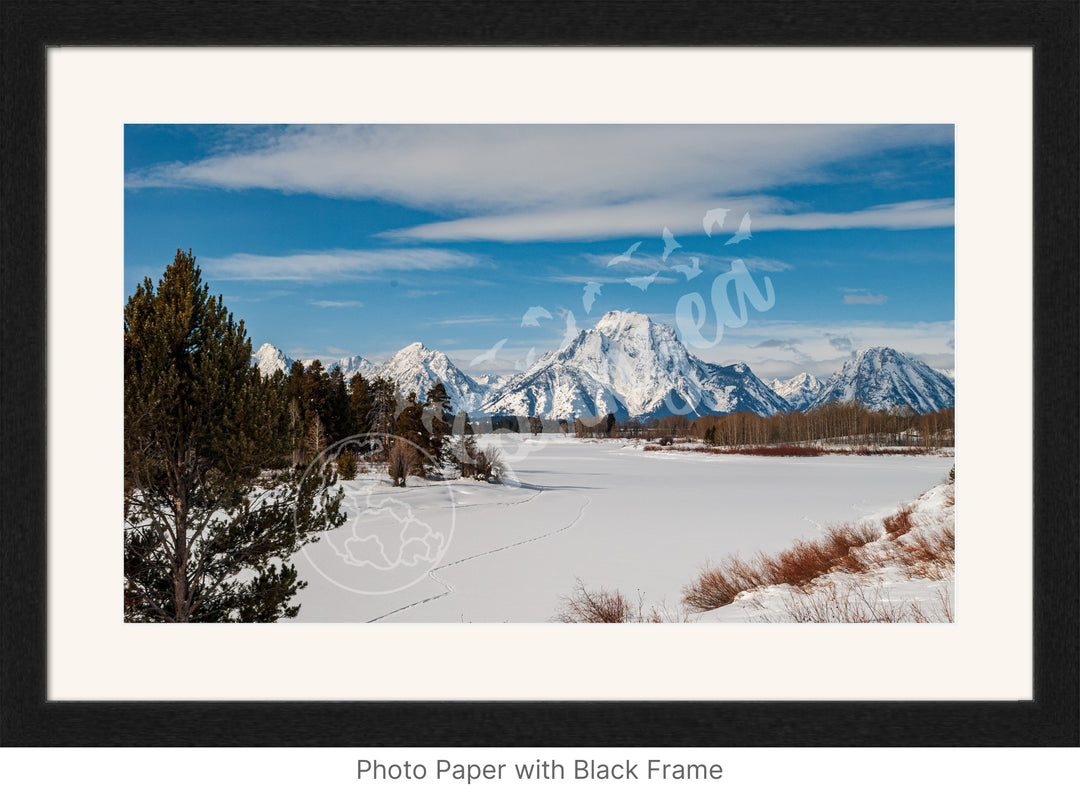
pixel 337 240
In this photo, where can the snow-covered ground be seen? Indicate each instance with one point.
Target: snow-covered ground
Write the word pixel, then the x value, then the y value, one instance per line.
pixel 896 588
pixel 602 511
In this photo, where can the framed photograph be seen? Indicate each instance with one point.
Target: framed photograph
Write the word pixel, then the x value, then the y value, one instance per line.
pixel 736 346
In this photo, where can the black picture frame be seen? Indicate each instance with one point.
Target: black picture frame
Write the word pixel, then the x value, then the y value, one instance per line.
pixel 1051 718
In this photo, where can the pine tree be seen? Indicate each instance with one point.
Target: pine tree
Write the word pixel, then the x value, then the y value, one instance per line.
pixel 439 419
pixel 410 426
pixel 210 521
pixel 360 403
pixel 337 406
pixel 384 402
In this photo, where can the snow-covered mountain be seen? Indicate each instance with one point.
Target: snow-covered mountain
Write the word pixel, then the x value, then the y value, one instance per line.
pixel 270 360
pixel 490 383
pixel 882 378
pixel 351 365
pixel 632 367
pixel 799 391
pixel 415 369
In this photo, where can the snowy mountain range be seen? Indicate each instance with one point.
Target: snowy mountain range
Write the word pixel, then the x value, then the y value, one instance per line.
pixel 633 367
pixel 880 378
pixel 270 359
pixel 351 365
pixel 415 369
pixel 799 391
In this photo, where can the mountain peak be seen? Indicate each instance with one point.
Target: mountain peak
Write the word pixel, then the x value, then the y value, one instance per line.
pixel 881 378
pixel 269 359
pixel 632 367
pixel 416 369
pixel 799 391
pixel 614 322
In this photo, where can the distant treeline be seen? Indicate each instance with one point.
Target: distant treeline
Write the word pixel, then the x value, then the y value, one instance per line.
pixel 846 424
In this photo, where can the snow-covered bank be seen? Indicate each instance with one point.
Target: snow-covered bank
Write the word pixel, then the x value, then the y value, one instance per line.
pixel 611 515
pixel 909 576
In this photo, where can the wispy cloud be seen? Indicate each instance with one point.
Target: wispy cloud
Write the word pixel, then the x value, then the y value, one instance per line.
pixel 789 344
pixel 335 304
pixel 471 321
pixel 423 293
pixel 639 219
pixel 765 265
pixel 481 168
pixel 609 278
pixel 839 342
pixel 775 343
pixel 337 264
pixel 932 213
pixel 872 300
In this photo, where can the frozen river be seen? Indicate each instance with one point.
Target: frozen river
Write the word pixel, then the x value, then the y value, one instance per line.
pixel 607 513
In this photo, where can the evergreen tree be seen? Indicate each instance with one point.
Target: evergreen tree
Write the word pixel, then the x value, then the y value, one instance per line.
pixel 337 420
pixel 410 426
pixel 360 403
pixel 209 524
pixel 384 402
pixel 439 419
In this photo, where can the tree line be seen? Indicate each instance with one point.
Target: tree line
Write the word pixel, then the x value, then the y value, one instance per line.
pixel 843 424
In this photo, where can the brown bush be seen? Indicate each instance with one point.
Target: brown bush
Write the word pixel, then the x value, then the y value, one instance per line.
pixel 488 464
pixel 404 460
pixel 717 587
pixel 900 522
pixel 930 556
pixel 798 565
pixel 584 606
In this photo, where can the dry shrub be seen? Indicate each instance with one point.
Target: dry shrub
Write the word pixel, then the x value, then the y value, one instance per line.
pixel 807 560
pixel 753 451
pixel 845 603
pixel 404 460
pixel 717 587
pixel 845 542
pixel 488 464
pixel 931 556
pixel 798 565
pixel 584 606
pixel 779 451
pixel 900 522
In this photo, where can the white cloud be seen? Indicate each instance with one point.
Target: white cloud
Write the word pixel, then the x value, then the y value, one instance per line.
pixel 483 168
pixel 933 213
pixel 640 218
pixel 471 321
pixel 335 304
pixel 336 264
pixel 867 299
